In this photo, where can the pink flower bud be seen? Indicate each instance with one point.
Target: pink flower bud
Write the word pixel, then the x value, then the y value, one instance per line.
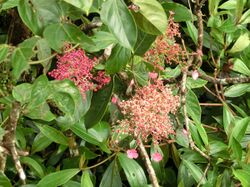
pixel 157 157
pixel 153 75
pixel 132 153
pixel 195 74
pixel 114 99
pixel 184 131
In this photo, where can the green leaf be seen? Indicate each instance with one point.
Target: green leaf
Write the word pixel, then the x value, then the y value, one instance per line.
pixel 202 133
pixel 101 41
pixel 118 59
pixel 240 128
pixel 86 180
pixel 241 43
pixel 33 164
pixel 195 171
pixel 3 52
pixel 38 14
pixel 237 90
pixel 216 147
pixel 22 92
pixel 151 17
pixel 53 134
pixel 99 105
pixel 111 177
pixel 213 6
pixel 4 181
pixel 143 42
pixel 192 31
pixel 100 131
pixel 241 67
pixel 18 63
pixel 245 18
pixel 120 22
pixel 181 138
pixel 69 100
pixel 133 171
pixel 191 83
pixel 27 47
pixel 228 118
pixel 58 178
pixel 57 34
pixel 40 143
pixel 243 176
pixel 229 5
pixel 236 148
pixel 193 106
pixel 181 13
pixel 9 4
pixel 85 5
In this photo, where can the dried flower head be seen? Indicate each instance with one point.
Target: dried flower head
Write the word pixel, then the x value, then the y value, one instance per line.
pixel 165 50
pixel 146 114
pixel 76 66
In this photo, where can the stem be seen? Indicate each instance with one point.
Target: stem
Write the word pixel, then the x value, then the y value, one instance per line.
pixel 9 139
pixel 100 163
pixel 148 164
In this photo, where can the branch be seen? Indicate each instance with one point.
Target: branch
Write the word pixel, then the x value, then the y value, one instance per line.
pixel 148 164
pixel 9 139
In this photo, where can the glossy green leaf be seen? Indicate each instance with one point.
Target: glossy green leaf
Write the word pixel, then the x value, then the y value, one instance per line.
pixel 69 100
pixel 57 178
pixel 228 118
pixel 151 17
pixel 99 105
pixel 22 92
pixel 85 5
pixel 143 42
pixel 57 34
pixel 236 148
pixel 181 138
pixel 40 143
pixel 36 15
pixel 9 4
pixel 18 63
pixel 101 41
pixel 86 180
pixel 202 133
pixel 228 5
pixel 133 171
pixel 100 131
pixel 241 67
pixel 3 52
pixel 193 106
pixel 192 31
pixel 241 43
pixel 111 177
pixel 4 181
pixel 245 18
pixel 237 90
pixel 53 134
pixel 118 59
pixel 243 176
pixel 181 13
pixel 195 135
pixel 32 163
pixel 240 128
pixel 196 172
pixel 216 147
pixel 120 22
pixel 213 6
pixel 191 83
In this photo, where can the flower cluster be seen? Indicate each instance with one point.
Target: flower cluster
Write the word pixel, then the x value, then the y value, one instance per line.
pixel 165 49
pixel 76 66
pixel 146 114
pixel 133 154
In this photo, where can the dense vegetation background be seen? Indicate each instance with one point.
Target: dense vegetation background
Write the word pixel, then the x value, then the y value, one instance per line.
pixel 115 93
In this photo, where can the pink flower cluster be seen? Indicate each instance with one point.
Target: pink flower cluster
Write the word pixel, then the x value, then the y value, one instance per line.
pixel 146 114
pixel 165 49
pixel 77 66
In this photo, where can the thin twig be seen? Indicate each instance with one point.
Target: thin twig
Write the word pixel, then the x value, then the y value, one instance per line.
pixel 204 174
pixel 211 104
pixel 148 164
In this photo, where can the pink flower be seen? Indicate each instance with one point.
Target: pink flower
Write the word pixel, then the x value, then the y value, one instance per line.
pixel 114 99
pixel 195 74
pixel 157 157
pixel 153 75
pixel 184 131
pixel 132 153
